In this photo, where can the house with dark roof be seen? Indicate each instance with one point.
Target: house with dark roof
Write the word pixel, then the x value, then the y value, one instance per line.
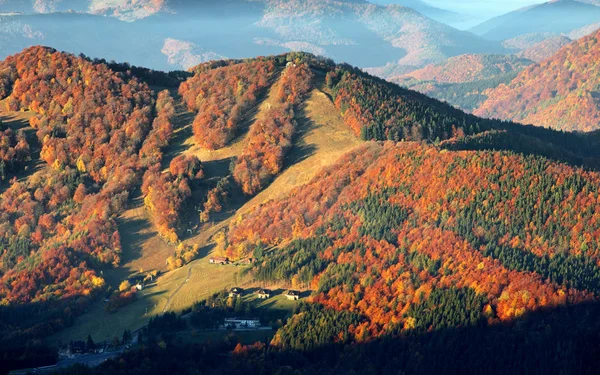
pixel 218 260
pixel 264 294
pixel 235 292
pixel 292 295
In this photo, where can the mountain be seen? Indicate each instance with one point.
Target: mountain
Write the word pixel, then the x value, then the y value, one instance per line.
pixel 545 49
pixel 306 174
pixel 561 92
pixel 584 31
pixel 561 16
pixel 463 80
pixel 467 68
pixel 177 34
pixel 441 15
pixel 122 9
pixel 525 41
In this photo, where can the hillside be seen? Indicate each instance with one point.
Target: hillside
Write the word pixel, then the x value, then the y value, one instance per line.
pixel 114 197
pixel 463 80
pixel 466 96
pixel 467 68
pixel 525 41
pixel 545 49
pixel 402 255
pixel 441 15
pixel 561 92
pixel 584 31
pixel 79 186
pixel 383 220
pixel 444 261
pixel 562 16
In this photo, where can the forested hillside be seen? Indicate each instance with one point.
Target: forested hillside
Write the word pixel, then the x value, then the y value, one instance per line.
pixel 463 81
pixel 96 132
pixel 545 49
pixel 493 220
pixel 467 68
pixel 395 229
pixel 419 259
pixel 561 93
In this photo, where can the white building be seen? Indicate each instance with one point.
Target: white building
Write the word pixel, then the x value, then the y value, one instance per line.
pixel 241 323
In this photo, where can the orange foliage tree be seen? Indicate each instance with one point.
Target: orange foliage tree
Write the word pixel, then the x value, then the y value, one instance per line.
pixel 222 97
pixel 270 138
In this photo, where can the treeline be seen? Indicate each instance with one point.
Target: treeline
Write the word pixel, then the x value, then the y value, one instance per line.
pixel 558 341
pixel 158 138
pixel 270 137
pixel 553 145
pixel 379 110
pixel 14 151
pixel 222 97
pixel 150 76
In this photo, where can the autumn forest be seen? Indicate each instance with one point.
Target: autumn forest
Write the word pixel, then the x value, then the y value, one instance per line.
pixel 438 242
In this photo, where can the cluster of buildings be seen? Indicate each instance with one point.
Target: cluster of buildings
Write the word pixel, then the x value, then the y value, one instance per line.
pixel 225 260
pixel 291 295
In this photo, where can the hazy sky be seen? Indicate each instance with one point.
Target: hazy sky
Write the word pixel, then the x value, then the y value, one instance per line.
pixel 483 6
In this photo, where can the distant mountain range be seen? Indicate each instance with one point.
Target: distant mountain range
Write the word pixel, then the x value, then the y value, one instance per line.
pixel 442 15
pixel 560 16
pixel 545 49
pixel 562 92
pixel 189 32
pixel 463 80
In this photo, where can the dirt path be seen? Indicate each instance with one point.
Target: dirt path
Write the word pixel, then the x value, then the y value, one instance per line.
pixel 168 304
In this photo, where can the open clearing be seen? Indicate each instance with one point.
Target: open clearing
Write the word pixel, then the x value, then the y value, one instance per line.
pixel 322 137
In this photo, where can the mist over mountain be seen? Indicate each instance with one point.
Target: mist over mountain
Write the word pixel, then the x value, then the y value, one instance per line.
pixel 545 49
pixel 442 15
pixel 561 92
pixel 560 16
pixel 348 31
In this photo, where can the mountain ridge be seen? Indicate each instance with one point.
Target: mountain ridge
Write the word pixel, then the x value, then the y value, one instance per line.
pixel 403 37
pixel 560 92
pixel 545 17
